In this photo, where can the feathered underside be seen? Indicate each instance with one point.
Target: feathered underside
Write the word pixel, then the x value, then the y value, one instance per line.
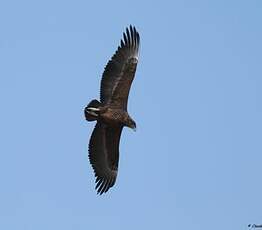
pixel 120 71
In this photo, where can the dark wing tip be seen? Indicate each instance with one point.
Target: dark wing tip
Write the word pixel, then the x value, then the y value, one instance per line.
pixel 128 38
pixel 103 185
pixel 131 38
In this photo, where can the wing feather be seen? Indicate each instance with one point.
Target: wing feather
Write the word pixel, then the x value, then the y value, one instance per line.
pixel 120 71
pixel 104 155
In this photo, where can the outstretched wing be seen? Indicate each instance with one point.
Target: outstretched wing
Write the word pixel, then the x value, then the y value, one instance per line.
pixel 104 155
pixel 120 71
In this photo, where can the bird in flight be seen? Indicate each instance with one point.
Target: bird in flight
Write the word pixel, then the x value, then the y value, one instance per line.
pixel 110 113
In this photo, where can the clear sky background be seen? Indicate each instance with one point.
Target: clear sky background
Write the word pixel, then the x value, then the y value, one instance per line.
pixel 195 160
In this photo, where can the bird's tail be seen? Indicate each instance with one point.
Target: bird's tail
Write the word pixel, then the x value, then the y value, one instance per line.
pixel 92 110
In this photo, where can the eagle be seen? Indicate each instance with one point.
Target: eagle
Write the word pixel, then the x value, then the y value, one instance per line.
pixel 110 113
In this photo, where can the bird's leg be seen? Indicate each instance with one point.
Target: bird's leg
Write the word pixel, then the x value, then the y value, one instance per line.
pixel 93 111
pixel 96 112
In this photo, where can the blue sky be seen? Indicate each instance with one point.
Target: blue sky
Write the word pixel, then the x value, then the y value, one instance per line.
pixel 195 160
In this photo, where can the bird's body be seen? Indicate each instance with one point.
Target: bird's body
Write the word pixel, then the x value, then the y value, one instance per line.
pixel 111 112
pixel 110 115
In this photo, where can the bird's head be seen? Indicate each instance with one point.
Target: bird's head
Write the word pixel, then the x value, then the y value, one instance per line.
pixel 131 123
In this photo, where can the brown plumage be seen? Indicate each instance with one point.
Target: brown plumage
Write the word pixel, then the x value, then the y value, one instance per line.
pixel 111 112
